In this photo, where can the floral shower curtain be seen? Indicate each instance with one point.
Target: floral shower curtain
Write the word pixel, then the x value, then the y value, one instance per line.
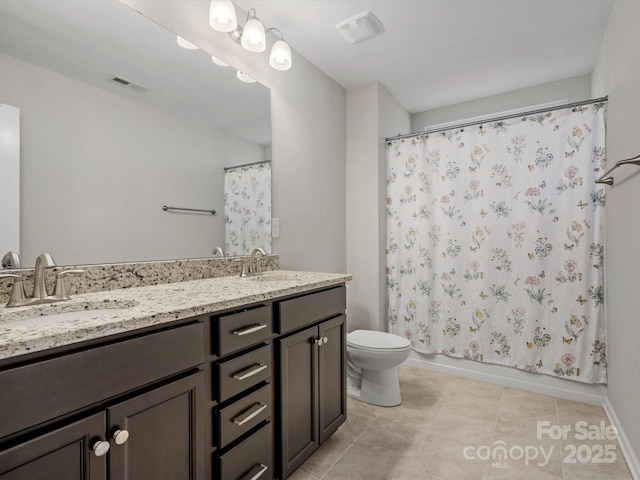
pixel 247 208
pixel 495 242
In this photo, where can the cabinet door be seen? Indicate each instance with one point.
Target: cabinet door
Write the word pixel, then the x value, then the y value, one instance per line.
pixel 165 433
pixel 298 389
pixel 332 376
pixel 63 454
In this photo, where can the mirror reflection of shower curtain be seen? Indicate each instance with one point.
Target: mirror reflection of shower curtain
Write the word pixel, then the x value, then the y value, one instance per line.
pixel 247 208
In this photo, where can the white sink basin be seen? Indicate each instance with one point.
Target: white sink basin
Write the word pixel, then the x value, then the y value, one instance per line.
pixel 47 313
pixel 56 317
pixel 278 277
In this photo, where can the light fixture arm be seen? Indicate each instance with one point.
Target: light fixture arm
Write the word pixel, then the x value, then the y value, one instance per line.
pixel 274 29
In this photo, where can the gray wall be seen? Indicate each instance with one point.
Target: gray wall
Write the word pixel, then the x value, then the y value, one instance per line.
pixel 96 168
pixel 617 74
pixel 571 89
pixel 308 119
pixel 371 114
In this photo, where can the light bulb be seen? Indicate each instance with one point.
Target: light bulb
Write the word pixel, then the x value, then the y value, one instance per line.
pixel 219 62
pixel 253 36
pixel 280 57
pixel 222 16
pixel 186 44
pixel 243 77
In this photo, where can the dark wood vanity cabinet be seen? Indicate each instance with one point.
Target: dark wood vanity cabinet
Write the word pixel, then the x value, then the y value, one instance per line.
pixel 60 454
pixel 311 366
pixel 207 398
pixel 124 410
pixel 240 407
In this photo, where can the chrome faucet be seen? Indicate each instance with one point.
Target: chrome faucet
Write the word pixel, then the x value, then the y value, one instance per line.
pixel 11 260
pixel 217 251
pixel 40 293
pixel 43 261
pixel 253 261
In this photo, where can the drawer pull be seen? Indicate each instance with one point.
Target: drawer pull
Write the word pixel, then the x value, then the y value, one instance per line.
pixel 255 413
pixel 255 476
pixel 249 372
pixel 248 330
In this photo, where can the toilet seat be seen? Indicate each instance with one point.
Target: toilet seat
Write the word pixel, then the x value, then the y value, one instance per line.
pixel 377 341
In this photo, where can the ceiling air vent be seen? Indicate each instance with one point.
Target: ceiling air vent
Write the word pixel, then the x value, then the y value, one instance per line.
pixel 360 27
pixel 130 84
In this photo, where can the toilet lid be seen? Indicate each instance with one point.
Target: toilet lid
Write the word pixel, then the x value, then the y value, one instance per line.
pixel 370 339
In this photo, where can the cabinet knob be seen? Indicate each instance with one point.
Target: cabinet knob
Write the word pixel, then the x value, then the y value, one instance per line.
pixel 120 436
pixel 325 339
pixel 100 448
pixel 318 341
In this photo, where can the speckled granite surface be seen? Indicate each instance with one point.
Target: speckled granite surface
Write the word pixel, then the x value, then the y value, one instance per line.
pixel 113 276
pixel 138 307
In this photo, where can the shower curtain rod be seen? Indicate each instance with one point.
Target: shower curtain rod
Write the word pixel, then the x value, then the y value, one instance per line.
pixel 497 119
pixel 226 169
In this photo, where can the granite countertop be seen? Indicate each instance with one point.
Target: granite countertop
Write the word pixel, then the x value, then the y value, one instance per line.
pixel 22 330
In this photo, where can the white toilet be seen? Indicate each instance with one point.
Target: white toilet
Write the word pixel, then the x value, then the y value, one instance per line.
pixel 372 366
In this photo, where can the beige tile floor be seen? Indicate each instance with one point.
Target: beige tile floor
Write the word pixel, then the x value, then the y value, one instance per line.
pixel 447 424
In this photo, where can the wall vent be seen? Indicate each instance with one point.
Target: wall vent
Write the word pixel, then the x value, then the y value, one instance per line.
pixel 360 27
pixel 130 84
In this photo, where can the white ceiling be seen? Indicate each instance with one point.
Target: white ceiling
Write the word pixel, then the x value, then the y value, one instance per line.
pixel 435 53
pixel 432 53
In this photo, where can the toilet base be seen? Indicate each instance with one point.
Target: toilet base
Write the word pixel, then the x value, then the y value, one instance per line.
pixel 378 387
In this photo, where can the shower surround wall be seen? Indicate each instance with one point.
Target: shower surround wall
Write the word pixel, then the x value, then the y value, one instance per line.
pixel 617 74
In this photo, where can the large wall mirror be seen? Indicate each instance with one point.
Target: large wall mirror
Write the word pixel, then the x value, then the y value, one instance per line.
pixel 101 157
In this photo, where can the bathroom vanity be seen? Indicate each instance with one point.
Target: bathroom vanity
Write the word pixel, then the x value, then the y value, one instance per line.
pixel 220 378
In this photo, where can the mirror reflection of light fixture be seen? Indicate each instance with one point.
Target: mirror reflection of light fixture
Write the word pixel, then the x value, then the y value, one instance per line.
pixel 222 16
pixel 252 36
pixel 219 62
pixel 243 77
pixel 186 44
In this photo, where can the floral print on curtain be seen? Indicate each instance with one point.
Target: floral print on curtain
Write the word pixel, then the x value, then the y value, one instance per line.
pixel 495 243
pixel 247 209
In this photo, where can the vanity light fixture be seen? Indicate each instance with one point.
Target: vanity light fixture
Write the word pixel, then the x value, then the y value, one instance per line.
pixel 280 57
pixel 186 44
pixel 252 36
pixel 222 16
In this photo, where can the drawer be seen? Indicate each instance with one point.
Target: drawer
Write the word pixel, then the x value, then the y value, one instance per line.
pixel 308 309
pixel 76 380
pixel 243 415
pixel 236 375
pixel 251 460
pixel 239 330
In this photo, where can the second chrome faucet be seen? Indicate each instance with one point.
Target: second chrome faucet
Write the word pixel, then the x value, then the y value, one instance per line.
pixel 40 294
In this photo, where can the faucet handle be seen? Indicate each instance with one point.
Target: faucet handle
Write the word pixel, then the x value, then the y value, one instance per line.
pixel 60 290
pixel 244 271
pixel 17 292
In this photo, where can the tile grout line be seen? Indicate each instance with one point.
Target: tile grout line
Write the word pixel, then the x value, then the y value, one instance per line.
pixel 493 431
pixel 348 448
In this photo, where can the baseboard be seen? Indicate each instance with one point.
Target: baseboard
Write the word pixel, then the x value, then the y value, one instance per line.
pixel 510 377
pixel 628 452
